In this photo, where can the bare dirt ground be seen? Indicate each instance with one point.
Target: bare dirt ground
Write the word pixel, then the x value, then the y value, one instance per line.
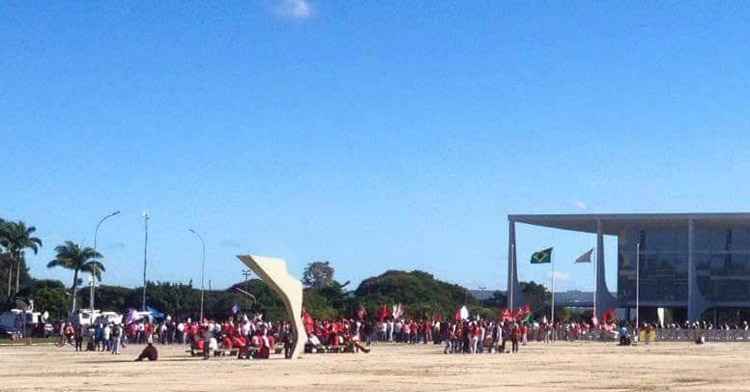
pixel 560 367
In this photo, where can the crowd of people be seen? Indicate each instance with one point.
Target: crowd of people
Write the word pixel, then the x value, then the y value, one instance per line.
pixel 342 335
pixel 245 334
pixel 252 337
pixel 476 336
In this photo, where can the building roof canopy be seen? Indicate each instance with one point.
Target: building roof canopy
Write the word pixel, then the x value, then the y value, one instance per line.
pixel 613 224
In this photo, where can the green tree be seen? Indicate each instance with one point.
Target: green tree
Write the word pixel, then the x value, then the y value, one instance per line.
pixel 73 257
pixel 537 297
pixel 48 295
pixel 563 313
pixel 16 238
pixel 420 292
pixel 318 274
pixel 328 302
pixel 6 265
pixel 497 301
pixel 4 256
pixel 264 300
pixel 115 298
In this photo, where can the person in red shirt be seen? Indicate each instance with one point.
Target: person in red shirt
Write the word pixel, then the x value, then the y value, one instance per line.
pixel 515 333
pixel 265 345
pixel 195 332
pixel 149 332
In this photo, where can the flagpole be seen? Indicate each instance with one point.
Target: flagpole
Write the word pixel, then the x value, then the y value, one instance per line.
pixel 552 262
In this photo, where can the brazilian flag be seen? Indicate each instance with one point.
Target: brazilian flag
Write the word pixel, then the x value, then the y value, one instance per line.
pixel 542 257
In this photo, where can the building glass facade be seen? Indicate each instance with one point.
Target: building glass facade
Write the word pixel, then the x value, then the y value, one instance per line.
pixel 722 261
pixel 721 254
pixel 690 262
pixel 663 265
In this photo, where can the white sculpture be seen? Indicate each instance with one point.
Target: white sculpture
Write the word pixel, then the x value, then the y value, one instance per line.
pixel 273 271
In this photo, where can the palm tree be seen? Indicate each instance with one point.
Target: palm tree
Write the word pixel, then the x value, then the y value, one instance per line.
pixel 73 257
pixel 16 238
pixel 4 257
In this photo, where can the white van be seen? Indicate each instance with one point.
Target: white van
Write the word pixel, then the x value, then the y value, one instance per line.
pixel 12 321
pixel 86 319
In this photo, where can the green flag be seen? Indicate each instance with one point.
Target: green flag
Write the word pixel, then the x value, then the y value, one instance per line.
pixel 542 257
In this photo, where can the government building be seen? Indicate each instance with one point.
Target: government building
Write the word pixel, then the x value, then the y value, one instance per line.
pixel 691 265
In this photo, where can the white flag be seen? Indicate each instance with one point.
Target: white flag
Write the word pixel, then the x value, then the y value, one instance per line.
pixel 398 311
pixel 586 257
pixel 464 312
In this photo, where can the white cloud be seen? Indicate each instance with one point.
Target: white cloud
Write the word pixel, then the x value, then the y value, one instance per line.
pixel 294 9
pixel 581 205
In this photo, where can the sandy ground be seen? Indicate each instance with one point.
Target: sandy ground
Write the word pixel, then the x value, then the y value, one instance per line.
pixel 561 367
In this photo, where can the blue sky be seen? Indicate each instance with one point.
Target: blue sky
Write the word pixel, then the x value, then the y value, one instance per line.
pixel 376 135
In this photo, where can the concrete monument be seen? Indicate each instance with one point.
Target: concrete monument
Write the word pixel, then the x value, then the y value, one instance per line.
pixel 273 271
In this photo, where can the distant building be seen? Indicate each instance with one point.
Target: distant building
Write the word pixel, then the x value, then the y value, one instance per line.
pixel 689 263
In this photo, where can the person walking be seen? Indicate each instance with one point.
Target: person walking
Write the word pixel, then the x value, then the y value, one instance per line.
pixel 79 338
pixel 514 336
pixel 499 338
pixel 207 335
pixel 116 339
pixel 474 334
pixel 106 336
pixel 98 336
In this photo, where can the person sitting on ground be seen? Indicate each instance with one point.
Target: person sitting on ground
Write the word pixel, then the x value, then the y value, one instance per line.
pixel 625 339
pixel 149 352
pixel 313 344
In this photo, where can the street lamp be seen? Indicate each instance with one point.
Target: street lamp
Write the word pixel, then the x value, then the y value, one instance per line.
pixel 145 258
pixel 203 267
pixel 93 275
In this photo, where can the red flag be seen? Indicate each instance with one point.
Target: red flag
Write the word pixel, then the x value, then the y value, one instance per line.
pixel 521 313
pixel 383 313
pixel 308 321
pixel 609 316
pixel 507 315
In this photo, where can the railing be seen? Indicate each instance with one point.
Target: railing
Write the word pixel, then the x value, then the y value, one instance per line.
pixel 710 335
pixel 659 335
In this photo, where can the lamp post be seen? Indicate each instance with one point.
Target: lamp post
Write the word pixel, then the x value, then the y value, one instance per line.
pixel 93 275
pixel 203 267
pixel 145 258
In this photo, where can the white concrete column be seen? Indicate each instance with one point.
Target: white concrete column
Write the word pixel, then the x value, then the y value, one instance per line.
pixel 515 297
pixel 604 299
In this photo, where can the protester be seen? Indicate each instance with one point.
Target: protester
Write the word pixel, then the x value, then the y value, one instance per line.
pixel 116 339
pixel 149 352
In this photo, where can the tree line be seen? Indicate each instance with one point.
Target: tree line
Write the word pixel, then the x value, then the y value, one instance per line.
pixel 422 295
